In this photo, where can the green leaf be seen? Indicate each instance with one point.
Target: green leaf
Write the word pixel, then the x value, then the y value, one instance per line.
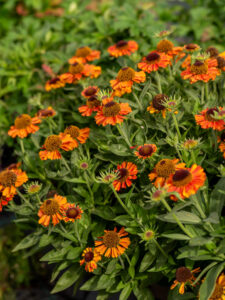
pixel 74 253
pixel 217 198
pixel 184 216
pixel 59 268
pixel 67 279
pixel 208 285
pixel 104 212
pixel 45 240
pixel 97 283
pixel 176 236
pixel 143 293
pixel 54 255
pixel 146 262
pixel 27 242
pixel 126 292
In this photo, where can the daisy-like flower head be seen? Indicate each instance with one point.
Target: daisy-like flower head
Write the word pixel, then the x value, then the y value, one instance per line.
pixel 107 177
pixel 24 125
pixel 206 119
pixel 221 61
pixel 113 243
pixel 54 143
pixel 186 181
pixel 77 134
pixel 122 48
pixel 190 144
pixel 145 151
pixel 10 180
pixel 219 290
pixel 153 61
pixel 90 91
pixel 189 48
pixel 157 105
pixel 201 70
pixel 92 104
pixel 4 200
pixel 212 51
pixel 125 80
pixel 46 113
pixel 71 212
pixel 148 235
pixel 51 210
pixel 33 188
pixel 127 172
pixel 183 277
pixel 84 54
pixel 112 112
pixel 167 47
pixel 163 169
pixel 54 83
pixel 90 259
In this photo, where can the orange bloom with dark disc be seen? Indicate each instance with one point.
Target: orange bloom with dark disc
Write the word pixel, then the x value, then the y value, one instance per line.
pixel 112 112
pixel 186 181
pixel 153 61
pixel 71 212
pixel 4 200
pixel 127 172
pixel 84 54
pixel 54 83
pixel 54 143
pixel 145 151
pixel 92 104
pixel 201 70
pixel 10 180
pixel 206 119
pixel 221 141
pixel 90 91
pixel 113 243
pixel 123 48
pixel 24 125
pixel 51 210
pixel 46 113
pixel 125 80
pixel 156 106
pixel 183 277
pixel 90 259
pixel 189 48
pixel 163 169
pixel 167 47
pixel 77 134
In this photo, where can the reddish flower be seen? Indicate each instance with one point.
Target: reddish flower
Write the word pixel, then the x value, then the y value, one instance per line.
pixel 153 61
pixel 206 119
pixel 123 48
pixel 127 172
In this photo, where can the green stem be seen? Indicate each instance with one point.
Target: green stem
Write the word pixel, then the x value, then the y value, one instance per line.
pixel 63 228
pixel 158 82
pixel 120 201
pixel 127 258
pixel 185 230
pixel 49 125
pixel 202 93
pixel 22 146
pixel 160 248
pixel 38 198
pixel 89 189
pixel 193 157
pixel 24 199
pixel 138 102
pixel 123 134
pixel 66 165
pixel 121 261
pixel 176 125
pixel 76 231
pixel 206 91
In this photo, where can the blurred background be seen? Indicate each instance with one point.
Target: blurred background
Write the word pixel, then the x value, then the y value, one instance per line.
pixel 35 34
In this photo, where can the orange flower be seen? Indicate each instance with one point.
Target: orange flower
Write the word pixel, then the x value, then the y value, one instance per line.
pixel 111 112
pixel 71 212
pixel 189 48
pixel 113 243
pixel 167 47
pixel 45 113
pixel 221 141
pixel 54 143
pixel 77 134
pixel 201 71
pixel 145 151
pixel 186 181
pixel 127 171
pixel 23 126
pixel 84 54
pixel 90 91
pixel 206 119
pixel 92 104
pixel 221 61
pixel 183 277
pixel 125 80
pixel 51 210
pixel 153 61
pixel 90 259
pixel 163 169
pixel 78 71
pixel 123 48
pixel 10 180
pixel 4 200
pixel 54 83
pixel 156 106
pixel 219 290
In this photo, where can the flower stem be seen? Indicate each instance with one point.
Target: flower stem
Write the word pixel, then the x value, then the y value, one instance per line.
pixel 24 199
pixel 120 201
pixel 123 134
pixel 66 165
pixel 89 188
pixel 206 91
pixel 160 248
pixel 185 230
pixel 158 82
pixel 193 157
pixel 202 93
pixel 77 232
pixel 138 102
pixel 22 146
pixel 176 125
